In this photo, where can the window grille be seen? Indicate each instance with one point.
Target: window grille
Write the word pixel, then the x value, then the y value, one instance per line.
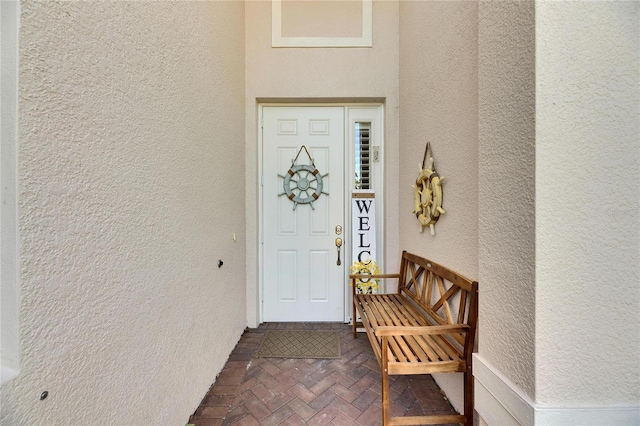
pixel 363 155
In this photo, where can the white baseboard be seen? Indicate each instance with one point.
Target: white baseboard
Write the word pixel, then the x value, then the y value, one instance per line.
pixel 588 416
pixel 499 402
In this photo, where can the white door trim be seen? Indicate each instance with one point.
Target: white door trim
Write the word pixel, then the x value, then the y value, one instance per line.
pixel 353 112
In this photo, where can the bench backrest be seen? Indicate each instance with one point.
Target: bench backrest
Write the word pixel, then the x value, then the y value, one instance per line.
pixel 447 297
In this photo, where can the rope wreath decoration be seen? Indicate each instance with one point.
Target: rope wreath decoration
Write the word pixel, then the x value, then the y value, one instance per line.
pixel 427 194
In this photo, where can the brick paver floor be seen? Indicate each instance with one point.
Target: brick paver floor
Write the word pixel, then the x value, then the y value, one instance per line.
pixel 277 391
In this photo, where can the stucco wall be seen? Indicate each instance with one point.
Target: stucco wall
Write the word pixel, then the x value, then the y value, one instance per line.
pixel 587 203
pixel 349 74
pixel 506 125
pixel 131 179
pixel 439 103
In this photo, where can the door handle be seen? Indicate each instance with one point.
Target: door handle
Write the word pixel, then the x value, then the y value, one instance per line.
pixel 338 245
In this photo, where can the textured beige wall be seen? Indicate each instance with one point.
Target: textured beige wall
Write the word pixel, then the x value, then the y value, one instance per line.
pixel 506 125
pixel 322 18
pixel 131 183
pixel 439 103
pixel 308 73
pixel 587 211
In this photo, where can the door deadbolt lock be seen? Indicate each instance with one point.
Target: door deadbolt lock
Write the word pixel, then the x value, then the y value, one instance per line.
pixel 338 230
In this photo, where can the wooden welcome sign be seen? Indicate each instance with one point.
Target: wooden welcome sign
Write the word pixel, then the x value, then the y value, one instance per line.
pixel 363 226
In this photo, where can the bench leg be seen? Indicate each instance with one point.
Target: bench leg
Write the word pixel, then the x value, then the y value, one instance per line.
pixel 385 382
pixel 468 396
pixel 354 320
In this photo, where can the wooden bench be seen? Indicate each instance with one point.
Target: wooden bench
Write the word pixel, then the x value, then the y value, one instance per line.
pixel 428 326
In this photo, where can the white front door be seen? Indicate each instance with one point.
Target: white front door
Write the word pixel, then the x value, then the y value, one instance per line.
pixel 303 202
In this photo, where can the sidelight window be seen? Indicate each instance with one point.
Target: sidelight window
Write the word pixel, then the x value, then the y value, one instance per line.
pixel 363 155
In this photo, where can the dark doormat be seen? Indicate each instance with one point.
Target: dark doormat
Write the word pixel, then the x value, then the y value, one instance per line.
pixel 300 344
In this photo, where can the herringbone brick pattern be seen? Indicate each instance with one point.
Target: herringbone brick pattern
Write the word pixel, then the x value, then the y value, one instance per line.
pixel 346 391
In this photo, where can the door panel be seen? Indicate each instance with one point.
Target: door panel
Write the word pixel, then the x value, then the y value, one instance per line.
pixel 301 280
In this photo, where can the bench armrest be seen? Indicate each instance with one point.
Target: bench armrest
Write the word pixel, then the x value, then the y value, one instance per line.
pixel 366 276
pixel 429 329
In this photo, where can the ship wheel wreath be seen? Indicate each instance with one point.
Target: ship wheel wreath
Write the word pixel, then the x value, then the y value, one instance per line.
pixel 303 182
pixel 427 194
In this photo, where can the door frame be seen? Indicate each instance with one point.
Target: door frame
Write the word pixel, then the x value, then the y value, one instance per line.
pixel 353 112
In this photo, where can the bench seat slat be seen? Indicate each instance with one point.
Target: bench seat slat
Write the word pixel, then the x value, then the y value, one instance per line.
pixel 372 319
pixel 429 350
pixel 436 343
pixel 408 354
pixel 433 318
pixel 399 348
pixel 379 312
pixel 413 317
pixel 370 323
pixel 431 347
pixel 449 347
pixel 420 348
pixel 386 308
pixel 408 351
pixel 411 348
pixel 373 311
